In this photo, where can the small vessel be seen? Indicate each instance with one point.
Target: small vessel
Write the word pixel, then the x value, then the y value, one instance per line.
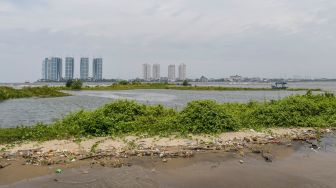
pixel 27 82
pixel 280 85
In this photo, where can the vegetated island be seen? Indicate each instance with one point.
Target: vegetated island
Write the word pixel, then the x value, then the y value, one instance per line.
pixel 56 91
pixel 125 85
pixel 25 92
pixel 109 135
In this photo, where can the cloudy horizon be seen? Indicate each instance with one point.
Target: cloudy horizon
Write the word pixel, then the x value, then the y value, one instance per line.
pixel 216 38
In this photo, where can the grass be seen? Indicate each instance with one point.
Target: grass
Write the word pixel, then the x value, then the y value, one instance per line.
pixel 124 117
pixel 11 93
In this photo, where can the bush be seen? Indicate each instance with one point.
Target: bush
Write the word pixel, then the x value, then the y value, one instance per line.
pixel 68 83
pixel 185 83
pixel 123 82
pixel 206 117
pixel 76 84
pixel 199 117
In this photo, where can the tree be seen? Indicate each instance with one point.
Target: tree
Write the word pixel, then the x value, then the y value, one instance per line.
pixel 123 82
pixel 185 83
pixel 68 83
pixel 76 84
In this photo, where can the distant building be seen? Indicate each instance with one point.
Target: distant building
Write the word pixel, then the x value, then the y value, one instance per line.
pixel 171 73
pixel 182 72
pixel 97 69
pixel 69 68
pixel 156 72
pixel 236 78
pixel 203 79
pixel 84 68
pixel 52 69
pixel 146 72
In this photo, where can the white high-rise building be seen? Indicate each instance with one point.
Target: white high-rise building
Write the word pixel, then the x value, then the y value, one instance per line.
pixel 52 69
pixel 171 73
pixel 69 68
pixel 84 68
pixel 182 71
pixel 97 69
pixel 146 71
pixel 156 72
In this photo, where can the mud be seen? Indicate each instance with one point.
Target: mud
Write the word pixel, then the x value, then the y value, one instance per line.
pixel 299 163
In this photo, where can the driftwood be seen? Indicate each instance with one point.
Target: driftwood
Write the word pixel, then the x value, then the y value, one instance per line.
pixel 95 156
pixel 75 182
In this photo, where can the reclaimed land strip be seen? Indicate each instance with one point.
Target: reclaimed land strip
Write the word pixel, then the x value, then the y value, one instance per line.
pixel 42 92
pixel 132 86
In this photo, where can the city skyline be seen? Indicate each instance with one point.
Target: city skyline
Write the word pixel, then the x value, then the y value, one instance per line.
pixel 52 69
pixel 263 38
pixel 156 72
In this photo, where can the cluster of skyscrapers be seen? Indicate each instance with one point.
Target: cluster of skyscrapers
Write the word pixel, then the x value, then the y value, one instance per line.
pixel 52 69
pixel 154 75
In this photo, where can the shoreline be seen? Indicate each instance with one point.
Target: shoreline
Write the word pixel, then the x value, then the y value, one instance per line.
pixel 45 157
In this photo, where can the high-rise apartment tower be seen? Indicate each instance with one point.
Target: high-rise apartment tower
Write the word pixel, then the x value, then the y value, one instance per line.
pixel 171 73
pixel 52 69
pixel 146 72
pixel 69 68
pixel 97 69
pixel 84 68
pixel 182 71
pixel 156 72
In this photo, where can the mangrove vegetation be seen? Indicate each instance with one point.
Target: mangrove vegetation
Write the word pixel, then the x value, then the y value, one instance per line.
pixel 124 117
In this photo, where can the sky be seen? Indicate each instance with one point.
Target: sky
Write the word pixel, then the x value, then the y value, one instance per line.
pixel 214 38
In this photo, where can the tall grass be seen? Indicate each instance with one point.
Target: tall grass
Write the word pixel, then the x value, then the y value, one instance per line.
pixel 128 117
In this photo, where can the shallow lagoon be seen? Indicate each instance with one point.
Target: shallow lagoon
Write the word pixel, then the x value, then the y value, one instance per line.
pixel 32 110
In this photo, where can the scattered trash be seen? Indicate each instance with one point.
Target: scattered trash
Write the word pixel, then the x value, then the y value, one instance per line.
pixel 58 171
pixel 241 161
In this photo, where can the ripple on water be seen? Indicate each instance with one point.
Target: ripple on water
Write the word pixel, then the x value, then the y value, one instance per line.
pixel 32 110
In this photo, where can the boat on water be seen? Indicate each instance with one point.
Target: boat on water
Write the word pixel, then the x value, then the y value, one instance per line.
pixel 280 85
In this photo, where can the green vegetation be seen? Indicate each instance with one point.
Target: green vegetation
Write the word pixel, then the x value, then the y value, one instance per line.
pixel 76 84
pixel 11 93
pixel 185 83
pixel 125 85
pixel 199 117
pixel 68 83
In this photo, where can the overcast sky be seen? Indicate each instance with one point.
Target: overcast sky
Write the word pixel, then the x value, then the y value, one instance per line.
pixel 215 38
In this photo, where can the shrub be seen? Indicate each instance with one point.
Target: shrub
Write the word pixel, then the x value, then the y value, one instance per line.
pixel 123 82
pixel 128 117
pixel 206 117
pixel 76 84
pixel 68 83
pixel 185 83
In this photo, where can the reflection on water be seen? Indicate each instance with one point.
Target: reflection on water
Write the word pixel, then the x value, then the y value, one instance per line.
pixel 32 110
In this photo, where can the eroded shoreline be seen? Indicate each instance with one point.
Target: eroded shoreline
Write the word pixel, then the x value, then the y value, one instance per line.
pixel 45 157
